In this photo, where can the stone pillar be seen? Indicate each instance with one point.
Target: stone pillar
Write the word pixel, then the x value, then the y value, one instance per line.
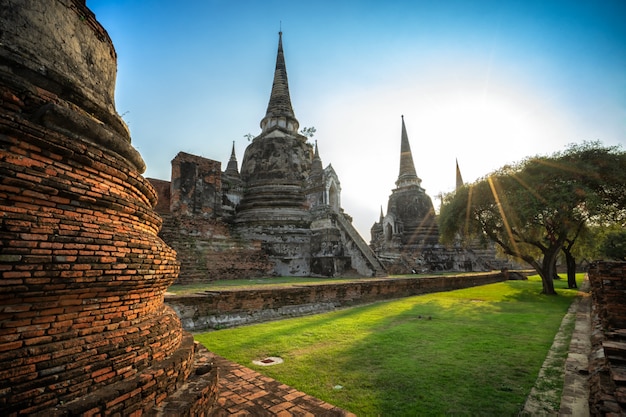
pixel 83 327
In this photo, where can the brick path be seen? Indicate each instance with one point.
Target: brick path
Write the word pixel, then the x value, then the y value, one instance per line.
pixel 244 392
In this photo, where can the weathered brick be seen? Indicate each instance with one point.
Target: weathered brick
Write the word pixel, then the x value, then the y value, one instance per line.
pixel 70 198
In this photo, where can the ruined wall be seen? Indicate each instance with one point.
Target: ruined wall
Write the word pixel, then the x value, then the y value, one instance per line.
pixel 607 362
pixel 164 198
pixel 196 186
pixel 218 309
pixel 83 327
pixel 207 251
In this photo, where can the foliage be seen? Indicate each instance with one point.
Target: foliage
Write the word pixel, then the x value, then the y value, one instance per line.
pixel 475 351
pixel 539 207
pixel 309 132
pixel 613 245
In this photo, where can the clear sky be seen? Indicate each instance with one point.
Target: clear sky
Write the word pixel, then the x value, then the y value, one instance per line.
pixel 484 82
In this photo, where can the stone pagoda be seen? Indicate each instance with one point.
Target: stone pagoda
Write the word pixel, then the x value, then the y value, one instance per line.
pixel 406 239
pixel 280 215
pixel 410 225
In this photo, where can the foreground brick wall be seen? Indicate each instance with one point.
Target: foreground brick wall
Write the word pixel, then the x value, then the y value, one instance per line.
pixel 83 327
pixel 218 309
pixel 607 362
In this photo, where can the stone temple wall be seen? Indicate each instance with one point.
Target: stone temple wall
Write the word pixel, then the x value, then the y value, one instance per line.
pixel 607 362
pixel 83 327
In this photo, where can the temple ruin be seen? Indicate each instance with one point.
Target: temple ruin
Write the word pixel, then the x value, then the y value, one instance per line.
pixel 280 214
pixel 406 238
pixel 83 327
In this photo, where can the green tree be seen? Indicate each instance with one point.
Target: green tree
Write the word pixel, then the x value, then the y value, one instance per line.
pixel 536 209
pixel 613 246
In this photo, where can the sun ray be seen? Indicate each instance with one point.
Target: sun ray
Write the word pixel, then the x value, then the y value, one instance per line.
pixel 528 187
pixel 496 197
pixel 468 210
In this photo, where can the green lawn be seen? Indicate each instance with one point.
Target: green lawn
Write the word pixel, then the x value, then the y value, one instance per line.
pixel 282 282
pixel 473 352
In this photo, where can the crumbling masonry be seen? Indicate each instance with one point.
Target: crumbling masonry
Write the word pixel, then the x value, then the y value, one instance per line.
pixel 280 215
pixel 83 327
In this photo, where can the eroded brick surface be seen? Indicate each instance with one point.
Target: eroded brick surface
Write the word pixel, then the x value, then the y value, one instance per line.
pixel 607 362
pixel 83 327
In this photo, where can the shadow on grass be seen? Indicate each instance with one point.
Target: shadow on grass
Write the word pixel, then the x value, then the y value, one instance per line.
pixel 475 351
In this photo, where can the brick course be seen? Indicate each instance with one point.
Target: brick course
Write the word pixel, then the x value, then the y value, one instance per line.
pixel 607 362
pixel 83 327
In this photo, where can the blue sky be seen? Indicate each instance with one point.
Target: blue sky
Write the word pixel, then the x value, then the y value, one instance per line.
pixel 484 82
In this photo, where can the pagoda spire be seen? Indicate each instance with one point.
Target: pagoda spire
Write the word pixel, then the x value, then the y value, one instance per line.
pixel 232 168
pixel 316 165
pixel 459 178
pixel 407 175
pixel 279 111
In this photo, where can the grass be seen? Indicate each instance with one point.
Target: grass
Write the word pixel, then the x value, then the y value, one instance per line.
pixel 478 354
pixel 281 282
pixel 252 283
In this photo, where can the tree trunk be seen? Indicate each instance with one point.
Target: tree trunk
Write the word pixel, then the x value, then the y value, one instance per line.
pixel 571 269
pixel 548 270
pixel 547 281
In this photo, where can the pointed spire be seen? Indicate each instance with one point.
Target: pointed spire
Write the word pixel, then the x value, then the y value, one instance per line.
pixel 382 217
pixel 407 175
pixel 279 111
pixel 231 168
pixel 459 179
pixel 316 165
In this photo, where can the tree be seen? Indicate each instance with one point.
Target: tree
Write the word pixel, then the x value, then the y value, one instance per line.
pixel 613 246
pixel 536 209
pixel 309 132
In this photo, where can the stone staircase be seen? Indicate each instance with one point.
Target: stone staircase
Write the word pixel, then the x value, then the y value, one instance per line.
pixel 346 227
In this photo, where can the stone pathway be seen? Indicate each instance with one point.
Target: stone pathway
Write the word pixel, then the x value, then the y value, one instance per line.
pixel 575 395
pixel 244 392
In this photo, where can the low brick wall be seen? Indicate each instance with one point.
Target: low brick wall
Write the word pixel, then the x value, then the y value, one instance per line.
pixel 607 362
pixel 220 309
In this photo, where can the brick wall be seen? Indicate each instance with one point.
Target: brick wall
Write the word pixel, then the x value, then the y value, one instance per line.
pixel 163 190
pixel 83 272
pixel 607 362
pixel 196 186
pixel 218 309
pixel 207 251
